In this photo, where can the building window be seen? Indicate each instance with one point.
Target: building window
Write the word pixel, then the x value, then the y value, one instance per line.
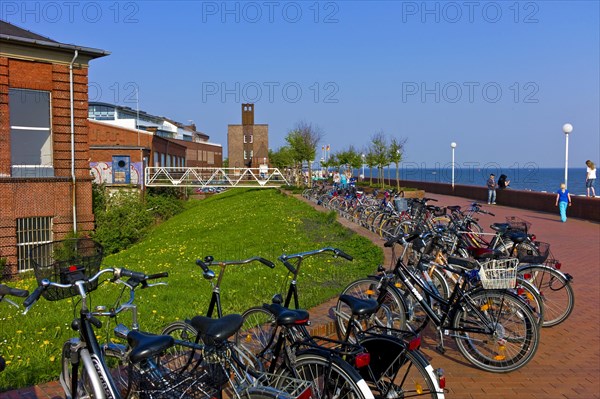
pixel 248 139
pixel 30 133
pixel 245 155
pixel 211 158
pixel 156 159
pixel 163 159
pixel 30 232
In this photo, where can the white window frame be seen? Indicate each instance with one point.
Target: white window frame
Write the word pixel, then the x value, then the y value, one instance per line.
pixel 31 231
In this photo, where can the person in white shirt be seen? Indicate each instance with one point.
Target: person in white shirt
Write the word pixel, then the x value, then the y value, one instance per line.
pixel 590 178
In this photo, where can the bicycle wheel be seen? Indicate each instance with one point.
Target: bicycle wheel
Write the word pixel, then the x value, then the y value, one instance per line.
pixel 391 314
pixel 178 356
pixel 255 335
pixel 332 378
pixel 531 296
pixel 554 288
pixel 396 372
pixel 508 336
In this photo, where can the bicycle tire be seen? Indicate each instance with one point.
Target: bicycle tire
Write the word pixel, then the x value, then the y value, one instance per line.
pixel 342 382
pixel 255 335
pixel 396 372
pixel 391 314
pixel 515 337
pixel 555 289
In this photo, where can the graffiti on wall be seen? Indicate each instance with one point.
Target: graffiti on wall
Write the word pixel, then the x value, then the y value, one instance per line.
pixel 102 172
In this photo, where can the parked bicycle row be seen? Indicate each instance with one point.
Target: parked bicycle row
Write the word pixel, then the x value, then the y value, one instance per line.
pixel 463 241
pixel 490 304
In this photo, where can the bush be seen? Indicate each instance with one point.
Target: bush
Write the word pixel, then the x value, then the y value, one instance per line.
pixel 163 207
pixel 123 222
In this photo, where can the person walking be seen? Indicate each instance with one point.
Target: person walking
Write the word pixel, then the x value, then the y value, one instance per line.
pixel 590 178
pixel 563 200
pixel 491 186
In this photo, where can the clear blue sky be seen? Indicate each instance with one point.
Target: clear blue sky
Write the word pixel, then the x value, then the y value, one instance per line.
pixel 498 78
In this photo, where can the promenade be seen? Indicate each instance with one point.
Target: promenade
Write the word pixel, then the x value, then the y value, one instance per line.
pixel 567 363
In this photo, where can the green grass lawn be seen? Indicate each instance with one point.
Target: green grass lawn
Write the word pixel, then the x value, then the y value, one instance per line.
pixel 234 225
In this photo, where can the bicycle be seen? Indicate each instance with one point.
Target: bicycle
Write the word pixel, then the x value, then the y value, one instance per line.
pixel 396 367
pixel 308 364
pixel 493 328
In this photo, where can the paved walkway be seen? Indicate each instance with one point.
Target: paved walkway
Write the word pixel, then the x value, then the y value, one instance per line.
pixel 567 363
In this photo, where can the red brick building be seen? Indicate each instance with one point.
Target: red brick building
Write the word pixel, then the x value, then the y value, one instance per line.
pixel 45 183
pixel 248 144
pixel 124 141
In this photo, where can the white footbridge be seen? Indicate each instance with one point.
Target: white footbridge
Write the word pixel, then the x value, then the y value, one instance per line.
pixel 213 177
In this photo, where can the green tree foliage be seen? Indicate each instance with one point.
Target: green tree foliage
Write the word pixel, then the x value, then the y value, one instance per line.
pixel 303 140
pixel 380 153
pixel 396 151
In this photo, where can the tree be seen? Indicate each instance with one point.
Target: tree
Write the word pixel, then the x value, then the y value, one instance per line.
pixel 371 161
pixel 303 140
pixel 396 150
pixel 379 150
pixel 282 158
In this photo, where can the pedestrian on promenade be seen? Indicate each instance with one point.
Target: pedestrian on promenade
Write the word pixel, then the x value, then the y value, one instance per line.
pixel 590 178
pixel 491 186
pixel 343 180
pixel 563 200
pixel 503 182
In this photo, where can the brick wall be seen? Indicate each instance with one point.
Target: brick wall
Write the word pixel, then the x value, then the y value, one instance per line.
pixel 21 197
pixel 236 145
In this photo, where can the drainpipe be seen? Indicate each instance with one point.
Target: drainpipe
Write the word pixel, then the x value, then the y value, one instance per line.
pixel 74 189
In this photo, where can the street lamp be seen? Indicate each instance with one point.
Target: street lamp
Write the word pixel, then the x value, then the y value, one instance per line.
pixel 453 145
pixel 363 165
pixel 567 128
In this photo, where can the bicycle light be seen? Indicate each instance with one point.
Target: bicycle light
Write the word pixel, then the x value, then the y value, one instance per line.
pixel 362 360
pixel 414 343
pixel 441 378
pixel 306 394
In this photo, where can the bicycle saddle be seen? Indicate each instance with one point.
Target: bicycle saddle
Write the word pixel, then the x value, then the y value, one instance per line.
pixel 484 253
pixel 285 316
pixel 360 307
pixel 214 331
pixel 516 236
pixel 454 208
pixel 147 345
pixel 500 227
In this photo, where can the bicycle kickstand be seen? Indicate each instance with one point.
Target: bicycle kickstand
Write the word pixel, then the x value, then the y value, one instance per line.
pixel 440 346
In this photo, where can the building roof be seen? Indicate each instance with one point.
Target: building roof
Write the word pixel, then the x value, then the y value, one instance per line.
pixel 14 34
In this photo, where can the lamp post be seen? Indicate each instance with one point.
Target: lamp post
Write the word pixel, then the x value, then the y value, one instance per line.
pixel 363 166
pixel 453 145
pixel 567 128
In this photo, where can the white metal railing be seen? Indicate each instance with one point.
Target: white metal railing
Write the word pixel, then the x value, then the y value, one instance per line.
pixel 213 177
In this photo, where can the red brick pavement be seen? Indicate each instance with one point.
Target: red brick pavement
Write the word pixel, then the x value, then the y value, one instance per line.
pixel 567 363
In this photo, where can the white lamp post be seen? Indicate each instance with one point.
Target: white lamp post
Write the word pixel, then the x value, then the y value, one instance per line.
pixel 567 128
pixel 363 165
pixel 453 145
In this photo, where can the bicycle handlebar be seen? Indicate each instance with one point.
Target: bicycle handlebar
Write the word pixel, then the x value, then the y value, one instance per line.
pixel 137 277
pixel 301 255
pixel 208 261
pixel 6 290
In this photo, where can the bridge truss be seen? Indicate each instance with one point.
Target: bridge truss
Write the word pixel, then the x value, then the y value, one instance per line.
pixel 213 177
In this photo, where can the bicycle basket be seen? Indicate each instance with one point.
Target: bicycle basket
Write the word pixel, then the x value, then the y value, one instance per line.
pixel 282 386
pixel 401 204
pixel 527 255
pixel 171 376
pixel 498 273
pixel 65 262
pixel 516 223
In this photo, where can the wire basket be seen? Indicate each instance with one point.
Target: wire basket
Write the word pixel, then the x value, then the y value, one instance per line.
pixel 498 273
pixel 171 376
pixel 538 256
pixel 518 224
pixel 401 204
pixel 65 262
pixel 281 386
